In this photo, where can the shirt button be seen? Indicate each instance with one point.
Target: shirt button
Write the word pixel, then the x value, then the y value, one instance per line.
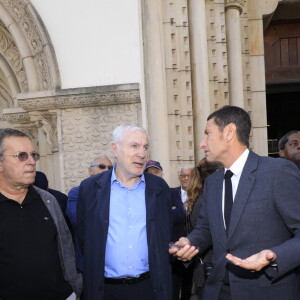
pixel 48 201
pixel 129 246
pixel 130 227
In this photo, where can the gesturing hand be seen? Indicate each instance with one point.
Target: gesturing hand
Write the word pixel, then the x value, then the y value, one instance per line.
pixel 254 262
pixel 183 250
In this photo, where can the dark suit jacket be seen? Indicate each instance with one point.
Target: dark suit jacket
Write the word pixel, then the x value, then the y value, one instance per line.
pixel 178 215
pixel 178 189
pixel 93 222
pixel 265 215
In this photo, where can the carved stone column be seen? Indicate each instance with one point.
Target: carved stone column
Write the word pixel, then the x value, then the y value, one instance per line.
pixel 200 73
pixel 233 9
pixel 155 82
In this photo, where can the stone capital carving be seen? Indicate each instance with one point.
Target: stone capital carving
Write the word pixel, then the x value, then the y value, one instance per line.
pixel 234 4
pixel 30 122
pixel 48 122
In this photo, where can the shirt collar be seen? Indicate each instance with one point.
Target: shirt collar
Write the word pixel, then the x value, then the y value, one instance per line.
pixel 114 178
pixel 31 195
pixel 183 192
pixel 237 167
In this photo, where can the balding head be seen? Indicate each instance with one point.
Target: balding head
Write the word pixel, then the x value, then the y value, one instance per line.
pixel 99 164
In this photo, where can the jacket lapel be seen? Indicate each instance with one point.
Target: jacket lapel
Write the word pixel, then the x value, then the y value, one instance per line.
pixel 218 205
pixel 150 198
pixel 103 197
pixel 244 188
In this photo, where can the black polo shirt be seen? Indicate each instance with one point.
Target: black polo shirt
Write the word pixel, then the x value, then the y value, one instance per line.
pixel 29 262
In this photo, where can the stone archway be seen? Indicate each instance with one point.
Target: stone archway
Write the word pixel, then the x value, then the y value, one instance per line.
pixel 28 50
pixel 27 64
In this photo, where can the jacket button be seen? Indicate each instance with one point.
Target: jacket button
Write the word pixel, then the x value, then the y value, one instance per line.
pixel 227 250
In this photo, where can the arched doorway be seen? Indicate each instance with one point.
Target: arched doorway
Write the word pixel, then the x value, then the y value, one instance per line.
pixel 282 59
pixel 28 65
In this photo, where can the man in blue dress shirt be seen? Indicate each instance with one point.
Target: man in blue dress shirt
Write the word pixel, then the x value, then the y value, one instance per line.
pixel 124 225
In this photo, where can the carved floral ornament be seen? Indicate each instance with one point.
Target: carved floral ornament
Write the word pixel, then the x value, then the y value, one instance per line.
pixel 234 4
pixel 11 54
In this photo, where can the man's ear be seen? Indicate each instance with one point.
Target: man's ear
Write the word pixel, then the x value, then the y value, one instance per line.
pixel 114 149
pixel 90 170
pixel 282 153
pixel 230 132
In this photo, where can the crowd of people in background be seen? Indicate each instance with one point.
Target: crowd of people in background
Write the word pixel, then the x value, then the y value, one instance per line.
pixel 230 230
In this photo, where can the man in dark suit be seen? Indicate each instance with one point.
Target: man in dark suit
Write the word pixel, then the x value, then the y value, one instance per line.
pixel 124 225
pixel 256 245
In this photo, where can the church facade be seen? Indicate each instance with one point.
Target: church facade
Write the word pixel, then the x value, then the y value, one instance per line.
pixel 174 63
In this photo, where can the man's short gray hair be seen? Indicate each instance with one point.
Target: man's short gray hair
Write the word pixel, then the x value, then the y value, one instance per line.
pixel 92 164
pixel 119 132
pixel 185 167
pixel 9 132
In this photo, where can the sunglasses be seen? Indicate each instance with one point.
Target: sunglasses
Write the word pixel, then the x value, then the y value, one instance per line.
pixel 23 156
pixel 103 166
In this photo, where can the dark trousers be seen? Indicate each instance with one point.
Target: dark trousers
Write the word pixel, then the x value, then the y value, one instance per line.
pixel 182 278
pixel 140 290
pixel 225 293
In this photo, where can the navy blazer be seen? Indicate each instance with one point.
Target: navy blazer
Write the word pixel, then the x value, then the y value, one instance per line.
pixel 265 215
pixel 93 223
pixel 178 215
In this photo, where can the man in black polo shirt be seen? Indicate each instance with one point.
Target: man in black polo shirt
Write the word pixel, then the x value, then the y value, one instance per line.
pixel 36 252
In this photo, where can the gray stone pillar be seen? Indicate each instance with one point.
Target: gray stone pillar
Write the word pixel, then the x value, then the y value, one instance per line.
pixel 200 73
pixel 155 83
pixel 233 9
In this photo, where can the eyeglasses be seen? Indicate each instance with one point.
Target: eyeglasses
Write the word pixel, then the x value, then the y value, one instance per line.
pixel 23 156
pixel 103 166
pixel 185 175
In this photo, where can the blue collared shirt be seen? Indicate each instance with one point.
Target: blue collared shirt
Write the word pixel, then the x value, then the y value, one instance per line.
pixel 126 252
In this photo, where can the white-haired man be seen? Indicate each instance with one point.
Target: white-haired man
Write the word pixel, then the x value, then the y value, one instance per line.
pixel 184 178
pixel 124 225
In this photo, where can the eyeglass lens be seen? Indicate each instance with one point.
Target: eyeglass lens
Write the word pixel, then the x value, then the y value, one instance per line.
pixel 102 166
pixel 183 176
pixel 23 156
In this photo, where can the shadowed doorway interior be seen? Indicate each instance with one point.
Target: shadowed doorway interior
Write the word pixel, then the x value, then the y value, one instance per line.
pixel 282 64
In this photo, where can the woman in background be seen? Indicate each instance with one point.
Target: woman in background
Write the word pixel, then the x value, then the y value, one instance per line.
pixel 202 267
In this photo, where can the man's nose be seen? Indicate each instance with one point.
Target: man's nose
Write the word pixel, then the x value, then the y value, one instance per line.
pixel 202 143
pixel 142 153
pixel 31 160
